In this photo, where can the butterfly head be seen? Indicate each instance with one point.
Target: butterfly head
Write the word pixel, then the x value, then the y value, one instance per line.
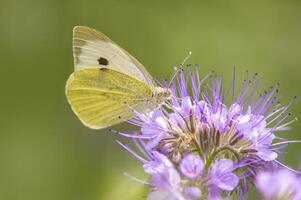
pixel 162 94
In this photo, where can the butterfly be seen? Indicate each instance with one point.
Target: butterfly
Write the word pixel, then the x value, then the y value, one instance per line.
pixel 108 85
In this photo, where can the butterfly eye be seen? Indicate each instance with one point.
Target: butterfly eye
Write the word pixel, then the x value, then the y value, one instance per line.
pixel 103 61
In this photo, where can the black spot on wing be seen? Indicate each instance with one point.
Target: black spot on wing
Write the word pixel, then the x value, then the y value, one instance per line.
pixel 103 69
pixel 103 61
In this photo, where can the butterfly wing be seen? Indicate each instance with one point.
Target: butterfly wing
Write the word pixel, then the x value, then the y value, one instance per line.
pixel 93 48
pixel 102 97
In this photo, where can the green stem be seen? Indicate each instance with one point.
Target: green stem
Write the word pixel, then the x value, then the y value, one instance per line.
pixel 215 152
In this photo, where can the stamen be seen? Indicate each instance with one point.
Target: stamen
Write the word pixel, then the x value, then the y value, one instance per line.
pixel 131 151
pixel 128 135
pixel 287 167
pixel 143 182
pixel 287 142
pixel 141 146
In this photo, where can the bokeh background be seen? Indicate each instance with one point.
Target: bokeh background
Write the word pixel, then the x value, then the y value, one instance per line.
pixel 47 154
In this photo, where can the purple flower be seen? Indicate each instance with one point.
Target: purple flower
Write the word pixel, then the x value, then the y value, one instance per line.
pixel 221 175
pixel 154 128
pixel 192 166
pixel 192 193
pixel 215 193
pixel 163 195
pixel 209 142
pixel 279 184
pixel 162 172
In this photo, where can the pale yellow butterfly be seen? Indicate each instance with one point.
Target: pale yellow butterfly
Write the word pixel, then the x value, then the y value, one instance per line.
pixel 108 84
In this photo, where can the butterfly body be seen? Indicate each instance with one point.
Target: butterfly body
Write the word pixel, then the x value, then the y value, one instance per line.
pixel 108 85
pixel 160 95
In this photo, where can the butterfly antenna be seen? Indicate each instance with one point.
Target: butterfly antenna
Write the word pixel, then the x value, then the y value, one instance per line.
pixel 177 70
pixel 186 58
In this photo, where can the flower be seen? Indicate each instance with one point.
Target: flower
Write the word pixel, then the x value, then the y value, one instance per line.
pixel 192 192
pixel 221 175
pixel 192 166
pixel 208 142
pixel 163 174
pixel 279 184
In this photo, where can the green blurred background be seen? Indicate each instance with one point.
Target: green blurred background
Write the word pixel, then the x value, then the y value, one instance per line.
pixel 46 153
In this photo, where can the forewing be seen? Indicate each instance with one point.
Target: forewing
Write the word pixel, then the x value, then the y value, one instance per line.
pixel 93 48
pixel 102 97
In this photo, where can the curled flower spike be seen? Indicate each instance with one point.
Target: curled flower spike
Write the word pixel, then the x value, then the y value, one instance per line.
pixel 208 142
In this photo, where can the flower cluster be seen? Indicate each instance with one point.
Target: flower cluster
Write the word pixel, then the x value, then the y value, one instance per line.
pixel 207 142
